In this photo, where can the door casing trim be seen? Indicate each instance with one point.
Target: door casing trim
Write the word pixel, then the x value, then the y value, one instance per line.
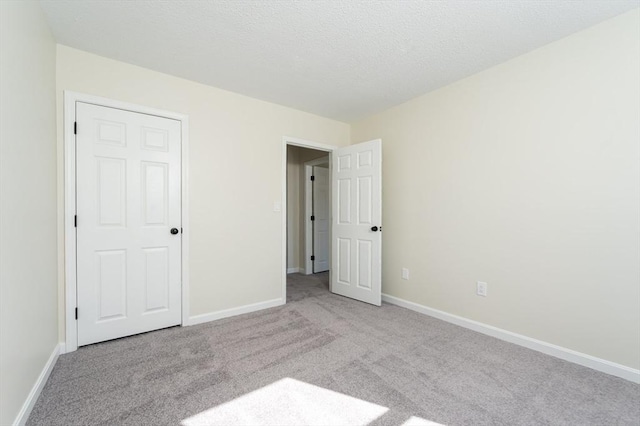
pixel 70 278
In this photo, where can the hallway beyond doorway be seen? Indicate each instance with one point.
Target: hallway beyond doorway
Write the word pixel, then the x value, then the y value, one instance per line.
pixel 300 286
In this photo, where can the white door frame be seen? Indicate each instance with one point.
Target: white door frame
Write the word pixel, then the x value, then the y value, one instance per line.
pixel 70 99
pixel 287 140
pixel 308 211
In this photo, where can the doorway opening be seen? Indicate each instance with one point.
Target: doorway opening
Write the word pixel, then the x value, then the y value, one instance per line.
pixel 308 210
pixel 300 160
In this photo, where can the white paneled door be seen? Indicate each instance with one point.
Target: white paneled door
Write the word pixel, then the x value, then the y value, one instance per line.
pixel 356 179
pixel 322 217
pixel 128 222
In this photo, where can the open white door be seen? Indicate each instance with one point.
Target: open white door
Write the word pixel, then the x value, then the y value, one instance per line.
pixel 356 179
pixel 321 217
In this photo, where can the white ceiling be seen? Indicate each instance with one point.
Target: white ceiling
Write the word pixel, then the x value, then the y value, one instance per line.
pixel 339 59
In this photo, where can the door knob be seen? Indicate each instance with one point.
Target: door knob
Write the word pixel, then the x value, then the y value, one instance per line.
pixel 174 231
pixel 374 228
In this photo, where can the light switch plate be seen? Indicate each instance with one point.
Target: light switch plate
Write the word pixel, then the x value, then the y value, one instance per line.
pixel 405 273
pixel 481 289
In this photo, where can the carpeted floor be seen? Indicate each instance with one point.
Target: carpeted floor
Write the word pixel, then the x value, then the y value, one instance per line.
pixel 284 365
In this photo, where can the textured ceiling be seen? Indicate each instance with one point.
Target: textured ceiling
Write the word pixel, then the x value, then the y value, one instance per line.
pixel 339 59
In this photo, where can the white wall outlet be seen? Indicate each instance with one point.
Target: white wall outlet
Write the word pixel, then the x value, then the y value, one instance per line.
pixel 277 206
pixel 481 289
pixel 405 274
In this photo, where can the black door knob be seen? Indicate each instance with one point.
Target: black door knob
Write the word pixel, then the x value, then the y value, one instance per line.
pixel 174 231
pixel 374 228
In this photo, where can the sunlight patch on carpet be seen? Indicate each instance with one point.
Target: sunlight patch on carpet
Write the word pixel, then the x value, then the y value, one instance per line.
pixel 419 421
pixel 291 402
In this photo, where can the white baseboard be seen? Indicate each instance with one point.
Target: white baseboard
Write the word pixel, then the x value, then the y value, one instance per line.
pixel 24 412
pixel 295 270
pixel 212 316
pixel 570 355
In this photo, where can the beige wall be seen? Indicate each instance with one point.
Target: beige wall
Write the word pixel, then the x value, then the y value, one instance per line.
pixel 234 177
pixel 525 176
pixel 28 289
pixel 296 157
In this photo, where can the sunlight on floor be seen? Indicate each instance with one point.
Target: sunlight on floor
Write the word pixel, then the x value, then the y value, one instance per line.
pixel 292 402
pixel 419 421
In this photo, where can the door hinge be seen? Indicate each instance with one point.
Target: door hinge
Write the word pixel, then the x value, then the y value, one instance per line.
pixel 75 127
pixel 76 313
pixel 313 218
pixel 313 258
pixel 181 231
pixel 75 221
pixel 313 178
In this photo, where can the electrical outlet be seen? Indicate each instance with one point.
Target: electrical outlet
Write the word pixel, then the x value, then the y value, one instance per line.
pixel 405 274
pixel 481 289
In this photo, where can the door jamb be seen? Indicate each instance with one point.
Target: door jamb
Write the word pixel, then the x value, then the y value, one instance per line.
pixel 308 211
pixel 69 118
pixel 287 140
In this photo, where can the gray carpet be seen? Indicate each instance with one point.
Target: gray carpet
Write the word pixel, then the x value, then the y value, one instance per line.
pixel 395 367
